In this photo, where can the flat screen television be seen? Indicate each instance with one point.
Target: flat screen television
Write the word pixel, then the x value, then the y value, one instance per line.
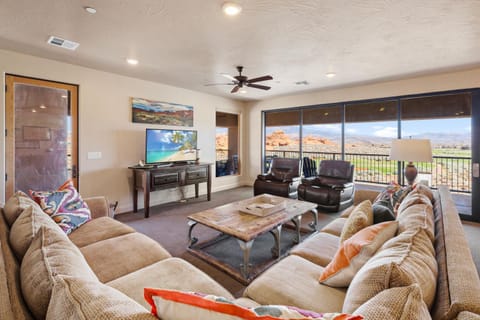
pixel 167 146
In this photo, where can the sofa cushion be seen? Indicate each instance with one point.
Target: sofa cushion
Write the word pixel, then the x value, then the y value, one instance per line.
pixel 355 252
pixel 417 216
pixel 50 254
pixel 361 217
pixel 400 303
pixel 413 198
pixel 172 273
pixel 319 249
pixel 15 205
pixel 178 305
pixel 115 257
pixel 65 206
pixel 382 212
pixel 404 260
pixel 97 230
pixel 80 298
pixel 11 298
pixel 425 190
pixel 26 227
pixel 294 281
pixel 335 227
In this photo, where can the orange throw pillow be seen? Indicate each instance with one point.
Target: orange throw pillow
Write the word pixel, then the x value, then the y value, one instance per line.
pixel 354 252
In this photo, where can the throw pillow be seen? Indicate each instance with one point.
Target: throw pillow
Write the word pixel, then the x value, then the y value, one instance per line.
pixel 355 252
pixel 408 258
pixel 382 212
pixel 417 216
pixel 413 198
pixel 361 217
pixel 51 254
pixel 178 305
pixel 425 190
pixel 26 227
pixel 80 298
pixel 393 195
pixel 15 205
pixel 396 303
pixel 65 206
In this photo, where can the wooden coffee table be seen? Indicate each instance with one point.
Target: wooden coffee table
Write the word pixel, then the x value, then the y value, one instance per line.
pixel 245 227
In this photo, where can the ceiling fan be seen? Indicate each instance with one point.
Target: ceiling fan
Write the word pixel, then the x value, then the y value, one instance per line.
pixel 240 81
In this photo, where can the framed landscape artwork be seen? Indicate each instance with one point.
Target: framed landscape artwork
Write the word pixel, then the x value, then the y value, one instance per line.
pixel 159 112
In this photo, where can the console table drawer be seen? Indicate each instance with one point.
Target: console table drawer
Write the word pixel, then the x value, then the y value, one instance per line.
pixel 165 178
pixel 199 174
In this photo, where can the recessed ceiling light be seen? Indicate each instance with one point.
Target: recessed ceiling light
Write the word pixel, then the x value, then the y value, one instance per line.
pixel 91 10
pixel 42 107
pixel 330 74
pixel 231 8
pixel 33 110
pixel 132 61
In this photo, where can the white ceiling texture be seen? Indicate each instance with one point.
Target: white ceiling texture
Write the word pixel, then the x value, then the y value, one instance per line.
pixel 190 43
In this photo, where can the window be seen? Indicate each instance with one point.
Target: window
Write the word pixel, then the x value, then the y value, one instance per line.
pixel 227 144
pixel 446 121
pixel 369 130
pixel 282 136
pixel 322 133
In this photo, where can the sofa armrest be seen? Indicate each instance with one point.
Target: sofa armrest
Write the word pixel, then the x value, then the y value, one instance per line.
pixel 342 186
pixel 292 180
pixel 99 206
pixel 264 177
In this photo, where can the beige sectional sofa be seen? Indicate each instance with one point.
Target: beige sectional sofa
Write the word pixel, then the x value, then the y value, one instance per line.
pixel 430 247
pixel 100 270
pixel 103 259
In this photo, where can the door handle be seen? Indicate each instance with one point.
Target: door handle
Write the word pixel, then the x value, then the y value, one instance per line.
pixel 476 170
pixel 74 171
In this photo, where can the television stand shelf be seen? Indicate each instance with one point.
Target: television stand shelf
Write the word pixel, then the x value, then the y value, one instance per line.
pixel 149 179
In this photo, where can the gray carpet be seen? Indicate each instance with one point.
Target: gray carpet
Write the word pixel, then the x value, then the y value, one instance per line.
pixel 168 225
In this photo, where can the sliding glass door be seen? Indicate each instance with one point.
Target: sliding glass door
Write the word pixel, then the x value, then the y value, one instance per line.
pixel 362 131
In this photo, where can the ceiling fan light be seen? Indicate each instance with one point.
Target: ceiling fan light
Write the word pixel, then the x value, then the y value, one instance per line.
pixel 131 61
pixel 231 8
pixel 242 91
pixel 330 74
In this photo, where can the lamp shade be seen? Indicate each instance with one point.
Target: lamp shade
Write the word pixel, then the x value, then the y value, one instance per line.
pixel 413 150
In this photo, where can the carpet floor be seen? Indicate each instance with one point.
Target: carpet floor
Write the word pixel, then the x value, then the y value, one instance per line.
pixel 168 226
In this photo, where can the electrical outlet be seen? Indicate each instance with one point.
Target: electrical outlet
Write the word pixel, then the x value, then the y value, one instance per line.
pixel 94 155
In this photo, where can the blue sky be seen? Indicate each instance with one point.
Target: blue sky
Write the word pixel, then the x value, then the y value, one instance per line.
pixel 388 129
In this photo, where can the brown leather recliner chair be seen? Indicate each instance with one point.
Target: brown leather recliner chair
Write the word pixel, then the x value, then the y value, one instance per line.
pixel 282 179
pixel 332 189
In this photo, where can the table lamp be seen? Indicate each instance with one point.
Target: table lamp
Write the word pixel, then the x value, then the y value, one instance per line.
pixel 418 150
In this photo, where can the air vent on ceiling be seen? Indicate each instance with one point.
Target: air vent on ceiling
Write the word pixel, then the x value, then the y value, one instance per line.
pixel 66 44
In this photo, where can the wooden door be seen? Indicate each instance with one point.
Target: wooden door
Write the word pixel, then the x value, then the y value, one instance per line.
pixel 41 150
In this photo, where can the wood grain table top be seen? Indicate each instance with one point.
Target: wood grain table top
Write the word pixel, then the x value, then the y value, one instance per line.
pixel 244 226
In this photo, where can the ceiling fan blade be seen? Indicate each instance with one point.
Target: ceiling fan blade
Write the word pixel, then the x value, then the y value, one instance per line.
pixel 235 89
pixel 228 76
pixel 258 86
pixel 264 78
pixel 219 84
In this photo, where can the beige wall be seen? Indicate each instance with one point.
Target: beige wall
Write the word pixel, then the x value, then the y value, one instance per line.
pixel 106 126
pixel 439 82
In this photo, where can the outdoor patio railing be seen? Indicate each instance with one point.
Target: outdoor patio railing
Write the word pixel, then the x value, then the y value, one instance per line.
pixel 376 168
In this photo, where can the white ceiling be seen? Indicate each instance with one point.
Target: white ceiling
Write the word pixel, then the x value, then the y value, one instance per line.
pixel 189 43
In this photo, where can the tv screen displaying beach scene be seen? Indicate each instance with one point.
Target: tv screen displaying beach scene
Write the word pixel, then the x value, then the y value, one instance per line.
pixel 163 145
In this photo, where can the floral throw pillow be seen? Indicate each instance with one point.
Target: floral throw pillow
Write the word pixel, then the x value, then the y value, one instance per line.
pixel 392 196
pixel 179 305
pixel 65 206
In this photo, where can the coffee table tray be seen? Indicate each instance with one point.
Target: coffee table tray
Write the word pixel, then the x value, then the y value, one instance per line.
pixel 262 205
